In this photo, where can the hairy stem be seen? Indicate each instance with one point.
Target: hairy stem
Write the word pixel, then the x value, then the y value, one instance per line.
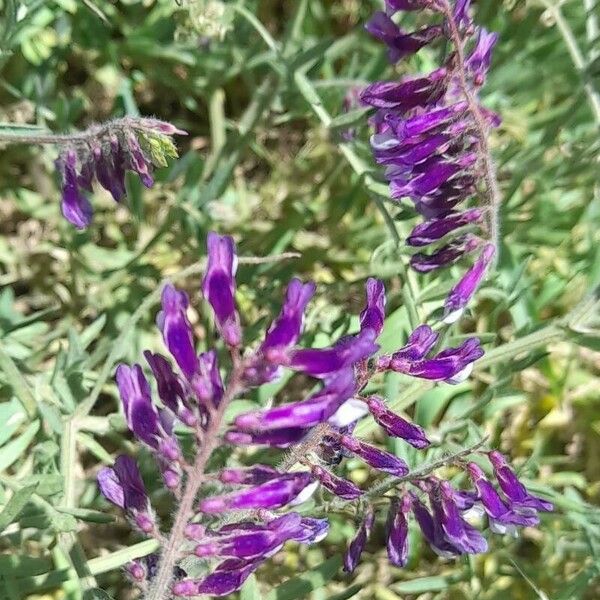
pixel 492 194
pixel 159 586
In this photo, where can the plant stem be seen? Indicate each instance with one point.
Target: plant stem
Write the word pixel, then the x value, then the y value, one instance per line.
pixel 160 584
pixel 492 192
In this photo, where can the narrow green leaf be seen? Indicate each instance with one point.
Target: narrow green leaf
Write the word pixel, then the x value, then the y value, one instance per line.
pixel 17 382
pixel 17 447
pixel 250 589
pixel 15 505
pixel 115 560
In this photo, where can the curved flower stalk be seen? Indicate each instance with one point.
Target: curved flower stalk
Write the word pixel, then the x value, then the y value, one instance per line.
pixel 431 135
pixel 230 518
pixel 104 153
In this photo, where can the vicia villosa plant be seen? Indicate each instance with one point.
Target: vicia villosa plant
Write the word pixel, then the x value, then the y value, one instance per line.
pixel 431 134
pixel 229 520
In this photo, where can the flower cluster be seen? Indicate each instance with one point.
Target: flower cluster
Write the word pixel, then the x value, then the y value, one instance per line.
pixel 231 518
pixel 431 136
pixel 105 153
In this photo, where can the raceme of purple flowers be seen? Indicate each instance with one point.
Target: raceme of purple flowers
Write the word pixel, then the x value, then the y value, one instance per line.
pixel 429 135
pixel 104 153
pixel 240 514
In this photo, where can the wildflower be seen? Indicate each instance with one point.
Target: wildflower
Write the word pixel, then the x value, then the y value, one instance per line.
pixel 357 545
pixel 105 152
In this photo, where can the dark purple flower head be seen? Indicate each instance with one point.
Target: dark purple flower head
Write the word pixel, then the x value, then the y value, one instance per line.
pixel 218 287
pixel 357 545
pixel 123 486
pixel 106 152
pixel 207 382
pixel 514 490
pixel 373 315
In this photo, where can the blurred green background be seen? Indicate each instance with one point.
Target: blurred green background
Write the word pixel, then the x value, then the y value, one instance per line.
pixel 260 87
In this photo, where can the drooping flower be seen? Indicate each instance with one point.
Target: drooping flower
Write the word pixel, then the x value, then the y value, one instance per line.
pixel 105 152
pixel 357 545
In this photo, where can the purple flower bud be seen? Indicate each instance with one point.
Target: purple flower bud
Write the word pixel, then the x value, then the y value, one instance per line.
pixel 395 425
pixel 138 161
pixel 515 491
pixel 249 546
pixel 432 231
pixel 76 208
pixel 170 388
pixel 207 383
pixel 407 94
pixel 461 13
pixel 218 286
pixel 108 171
pixel 228 577
pixel 345 353
pixel 400 44
pixel 272 494
pixel 373 315
pixel 373 456
pixel 463 291
pixel 338 486
pixel 357 545
pixel 459 533
pixel 436 119
pixel 419 343
pixel 136 571
pixel 280 438
pixel 502 517
pixel 123 486
pixel 161 127
pixel 251 476
pixel 397 538
pixel 446 255
pixel 478 62
pixel 176 329
pixel 286 329
pixel 316 409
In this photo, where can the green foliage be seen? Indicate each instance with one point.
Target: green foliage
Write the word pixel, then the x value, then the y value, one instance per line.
pixel 259 86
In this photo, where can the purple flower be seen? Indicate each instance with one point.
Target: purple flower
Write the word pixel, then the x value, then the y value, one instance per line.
pixel 207 383
pixel 435 229
pixel 432 530
pixel 143 419
pixel 272 494
pixel 227 578
pixel 395 425
pixel 373 315
pixel 515 491
pixel 446 255
pixel 338 486
pixel 76 208
pixel 357 545
pixel 452 365
pixel 316 409
pixel 218 286
pixel 478 62
pixel 419 343
pixel 170 388
pixel 109 170
pixel 286 329
pixel 345 353
pixel 123 486
pixel 397 537
pixel 251 476
pixel 407 94
pixel 281 438
pixel 176 329
pixel 399 43
pixel 463 291
pixel 458 532
pixel 376 458
pixel 138 162
pixel 502 517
